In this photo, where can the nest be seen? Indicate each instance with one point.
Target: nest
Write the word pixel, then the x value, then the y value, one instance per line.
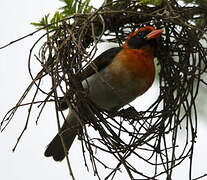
pixel 151 135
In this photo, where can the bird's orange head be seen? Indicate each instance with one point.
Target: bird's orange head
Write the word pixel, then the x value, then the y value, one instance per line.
pixel 147 35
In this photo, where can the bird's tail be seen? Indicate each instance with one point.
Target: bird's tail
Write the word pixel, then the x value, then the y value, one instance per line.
pixel 69 132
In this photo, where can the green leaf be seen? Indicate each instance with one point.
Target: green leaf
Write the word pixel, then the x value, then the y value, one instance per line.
pixel 70 7
pixel 80 6
pixel 56 18
pixel 74 7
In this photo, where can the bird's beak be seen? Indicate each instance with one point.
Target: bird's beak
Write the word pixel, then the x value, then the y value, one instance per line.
pixel 154 34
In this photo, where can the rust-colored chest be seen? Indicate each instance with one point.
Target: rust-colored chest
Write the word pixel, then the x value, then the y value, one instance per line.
pixel 133 69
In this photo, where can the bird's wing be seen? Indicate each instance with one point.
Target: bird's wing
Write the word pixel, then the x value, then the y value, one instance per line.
pixel 96 65
pixel 100 62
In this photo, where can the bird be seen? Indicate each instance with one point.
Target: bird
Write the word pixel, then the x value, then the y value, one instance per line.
pixel 121 75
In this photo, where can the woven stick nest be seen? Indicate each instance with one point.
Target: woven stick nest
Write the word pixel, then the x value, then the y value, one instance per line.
pixel 126 134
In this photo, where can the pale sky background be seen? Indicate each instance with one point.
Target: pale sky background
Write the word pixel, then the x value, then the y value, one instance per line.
pixel 28 161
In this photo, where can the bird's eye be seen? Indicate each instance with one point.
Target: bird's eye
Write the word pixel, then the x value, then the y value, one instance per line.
pixel 143 33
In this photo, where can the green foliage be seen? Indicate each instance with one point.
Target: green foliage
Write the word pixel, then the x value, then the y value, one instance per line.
pixel 75 6
pixel 54 20
pixel 71 7
pixel 153 2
